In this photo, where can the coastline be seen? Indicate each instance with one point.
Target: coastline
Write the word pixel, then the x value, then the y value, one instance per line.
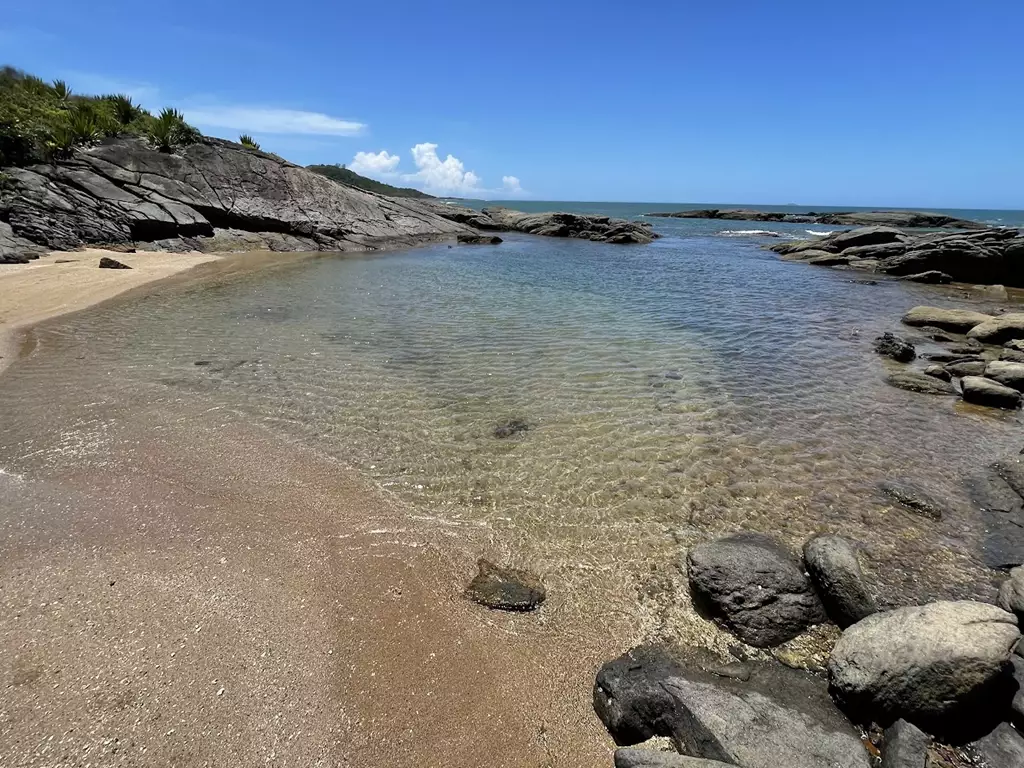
pixel 61 283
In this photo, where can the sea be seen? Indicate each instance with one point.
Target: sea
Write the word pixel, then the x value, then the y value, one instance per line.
pixel 660 394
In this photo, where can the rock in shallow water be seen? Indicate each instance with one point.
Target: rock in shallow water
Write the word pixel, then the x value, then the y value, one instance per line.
pixel 755 587
pixel 918 382
pixel 506 589
pixel 833 565
pixel 893 346
pixel 982 391
pixel 944 666
pixel 782 721
pixel 957 320
pixel 911 497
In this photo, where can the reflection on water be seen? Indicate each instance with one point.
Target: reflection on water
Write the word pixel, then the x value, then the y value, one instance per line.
pixel 692 386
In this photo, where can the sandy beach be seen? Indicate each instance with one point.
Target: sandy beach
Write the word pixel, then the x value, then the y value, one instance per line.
pixel 183 588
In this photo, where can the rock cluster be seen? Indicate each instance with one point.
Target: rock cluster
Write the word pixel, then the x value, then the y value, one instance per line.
pixel 910 219
pixel 988 256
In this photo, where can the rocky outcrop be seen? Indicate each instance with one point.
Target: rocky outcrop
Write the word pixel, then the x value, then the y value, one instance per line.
pixel 755 587
pixel 207 196
pixel 911 219
pixel 574 225
pixel 989 255
pixel 944 666
pixel 108 263
pixel 778 717
pixel 833 565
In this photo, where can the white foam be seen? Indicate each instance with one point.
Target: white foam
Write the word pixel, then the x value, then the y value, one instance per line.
pixel 816 233
pixel 750 233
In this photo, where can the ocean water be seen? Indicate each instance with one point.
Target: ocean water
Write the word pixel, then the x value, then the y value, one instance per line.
pixel 671 392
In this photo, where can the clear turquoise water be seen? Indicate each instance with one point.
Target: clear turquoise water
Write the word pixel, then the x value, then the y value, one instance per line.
pixel 693 386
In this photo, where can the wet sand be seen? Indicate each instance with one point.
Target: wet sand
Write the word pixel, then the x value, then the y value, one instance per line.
pixel 180 587
pixel 60 283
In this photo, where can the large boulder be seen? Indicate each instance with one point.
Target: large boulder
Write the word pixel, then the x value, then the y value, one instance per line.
pixel 956 320
pixel 1006 373
pixel 999 329
pixel 963 260
pixel 944 666
pixel 751 724
pixel 893 346
pixel 867 236
pixel 833 565
pixel 982 391
pixel 755 587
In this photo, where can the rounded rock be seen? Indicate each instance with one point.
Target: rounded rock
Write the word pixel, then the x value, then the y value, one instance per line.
pixel 982 391
pixel 833 565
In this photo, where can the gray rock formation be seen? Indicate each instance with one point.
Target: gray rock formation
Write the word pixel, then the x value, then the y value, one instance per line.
pixel 912 497
pixel 982 391
pixel 909 219
pixel 123 192
pixel 754 724
pixel 1006 373
pixel 1002 748
pixel 1001 509
pixel 835 570
pixel 993 256
pixel 944 666
pixel 913 381
pixel 755 587
pixel 999 329
pixel 633 757
pixel 963 368
pixel 893 346
pixel 574 225
pixel 1011 593
pixel 905 746
pixel 505 589
pixel 956 320
pixel 479 240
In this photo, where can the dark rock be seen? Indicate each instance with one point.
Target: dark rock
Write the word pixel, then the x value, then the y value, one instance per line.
pixel 506 589
pixel 510 428
pixel 913 498
pixel 734 670
pixel 1011 356
pixel 956 320
pixel 967 368
pixel 905 746
pixel 468 239
pixel 999 329
pixel 893 346
pixel 755 587
pixel 909 219
pixel 108 263
pixel 632 757
pixel 833 565
pixel 938 372
pixel 932 277
pixel 944 667
pixel 644 693
pixel 982 391
pixel 1002 513
pixel 1011 471
pixel 1017 705
pixel 1002 748
pixel 1006 373
pixel 952 357
pixel 937 334
pixel 918 382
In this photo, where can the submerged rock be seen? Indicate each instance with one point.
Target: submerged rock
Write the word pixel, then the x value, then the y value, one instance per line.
pixel 505 589
pixel 944 666
pixel 108 263
pixel 918 382
pixel 755 587
pixel 893 346
pixel 511 428
pixel 912 497
pixel 982 391
pixel 1002 511
pixel 905 746
pixel 957 320
pixel 963 368
pixel 833 565
pixel 644 693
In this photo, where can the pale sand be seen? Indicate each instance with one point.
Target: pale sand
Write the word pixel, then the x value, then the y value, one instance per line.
pixel 43 289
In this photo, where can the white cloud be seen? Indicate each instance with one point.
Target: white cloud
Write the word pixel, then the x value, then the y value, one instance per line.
pixel 511 185
pixel 380 164
pixel 442 177
pixel 270 120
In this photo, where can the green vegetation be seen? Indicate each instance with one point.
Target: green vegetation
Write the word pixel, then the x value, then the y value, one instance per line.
pixel 248 141
pixel 343 175
pixel 42 122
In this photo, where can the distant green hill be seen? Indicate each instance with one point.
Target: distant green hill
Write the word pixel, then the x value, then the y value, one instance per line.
pixel 353 179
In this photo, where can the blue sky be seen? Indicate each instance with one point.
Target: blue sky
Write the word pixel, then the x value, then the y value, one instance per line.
pixel 897 103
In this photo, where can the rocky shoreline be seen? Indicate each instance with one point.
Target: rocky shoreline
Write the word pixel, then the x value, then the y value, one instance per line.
pixel 991 256
pixel 218 196
pixel 909 219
